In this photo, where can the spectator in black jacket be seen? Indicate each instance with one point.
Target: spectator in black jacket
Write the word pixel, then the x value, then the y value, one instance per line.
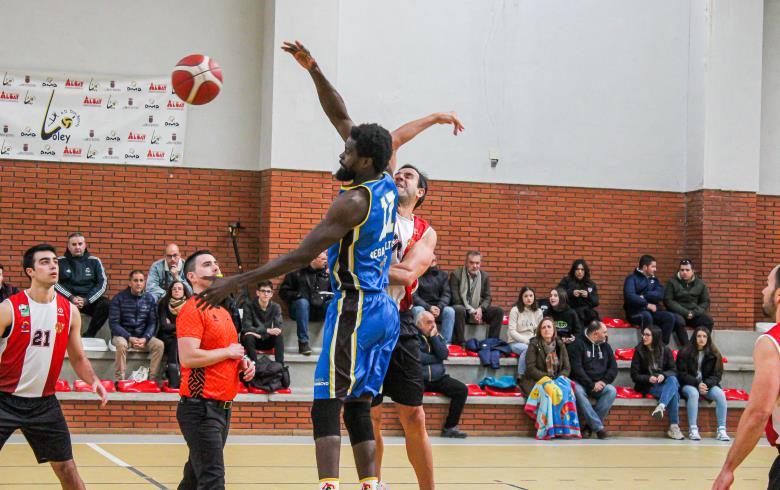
pixel 433 295
pixel 567 323
pixel 133 322
pixel 582 291
pixel 433 353
pixel 593 369
pixel 83 281
pixel 167 312
pixel 642 298
pixel 687 296
pixel 6 289
pixel 261 327
pixel 471 299
pixel 307 294
pixel 700 369
pixel 653 371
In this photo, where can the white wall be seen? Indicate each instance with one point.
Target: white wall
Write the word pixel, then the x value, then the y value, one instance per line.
pixel 770 115
pixel 146 37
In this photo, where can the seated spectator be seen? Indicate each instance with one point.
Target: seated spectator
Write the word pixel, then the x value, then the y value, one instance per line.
pixel 433 295
pixel 642 297
pixel 307 294
pixel 653 372
pixel 546 356
pixel 688 297
pixel 700 369
pixel 133 321
pixel 165 272
pixel 593 370
pixel 582 291
pixel 471 298
pixel 6 289
pixel 567 322
pixel 524 318
pixel 261 327
pixel 83 281
pixel 167 312
pixel 433 354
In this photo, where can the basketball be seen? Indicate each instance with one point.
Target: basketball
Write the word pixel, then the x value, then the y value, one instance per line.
pixel 197 79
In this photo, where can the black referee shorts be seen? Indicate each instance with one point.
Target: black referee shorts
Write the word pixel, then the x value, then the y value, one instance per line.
pixel 404 379
pixel 42 423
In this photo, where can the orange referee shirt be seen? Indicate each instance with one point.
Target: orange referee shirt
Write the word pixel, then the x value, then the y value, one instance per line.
pixel 214 327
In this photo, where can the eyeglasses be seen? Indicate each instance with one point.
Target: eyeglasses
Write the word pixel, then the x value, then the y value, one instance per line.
pixel 266 291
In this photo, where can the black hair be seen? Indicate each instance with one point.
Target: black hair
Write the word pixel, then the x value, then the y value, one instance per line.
pixel 374 142
pixel 189 264
pixel 169 293
pixel 577 263
pixel 563 299
pixel 28 260
pixel 266 283
pixel 656 348
pixel 520 305
pixel 421 184
pixel 592 327
pixel 134 272
pixel 687 262
pixel 646 260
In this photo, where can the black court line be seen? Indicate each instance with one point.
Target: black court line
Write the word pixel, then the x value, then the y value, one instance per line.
pixel 147 478
pixel 510 485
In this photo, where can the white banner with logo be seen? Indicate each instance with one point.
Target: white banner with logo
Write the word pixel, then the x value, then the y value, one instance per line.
pixel 81 118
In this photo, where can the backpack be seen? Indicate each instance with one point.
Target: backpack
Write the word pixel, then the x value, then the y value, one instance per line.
pixel 270 375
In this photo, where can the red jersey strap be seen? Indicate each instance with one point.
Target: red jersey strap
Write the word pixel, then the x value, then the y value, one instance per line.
pixel 420 228
pixel 773 424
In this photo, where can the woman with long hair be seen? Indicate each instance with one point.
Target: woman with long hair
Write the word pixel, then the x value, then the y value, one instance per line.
pixel 583 292
pixel 523 320
pixel 566 320
pixel 167 311
pixel 700 369
pixel 653 372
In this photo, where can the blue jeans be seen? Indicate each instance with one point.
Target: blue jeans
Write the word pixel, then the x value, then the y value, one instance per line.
pixel 667 321
pixel 300 311
pixel 668 393
pixel 691 394
pixel 594 417
pixel 446 318
pixel 521 350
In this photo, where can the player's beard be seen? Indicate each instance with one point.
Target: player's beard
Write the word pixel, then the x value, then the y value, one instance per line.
pixel 344 174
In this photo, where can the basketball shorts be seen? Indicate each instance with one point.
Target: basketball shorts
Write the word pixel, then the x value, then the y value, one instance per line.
pixel 42 423
pixel 404 382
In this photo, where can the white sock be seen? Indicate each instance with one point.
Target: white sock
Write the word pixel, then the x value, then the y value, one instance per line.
pixel 329 484
pixel 370 483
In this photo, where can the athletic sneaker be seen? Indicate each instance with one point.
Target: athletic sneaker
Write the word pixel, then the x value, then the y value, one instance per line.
pixel 453 433
pixel 658 413
pixel 693 434
pixel 721 435
pixel 675 433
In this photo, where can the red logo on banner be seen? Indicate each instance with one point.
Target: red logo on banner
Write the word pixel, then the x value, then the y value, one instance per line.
pixel 157 155
pixel 92 101
pixel 9 96
pixel 71 152
pixel 158 87
pixel 136 137
pixel 174 104
pixel 74 83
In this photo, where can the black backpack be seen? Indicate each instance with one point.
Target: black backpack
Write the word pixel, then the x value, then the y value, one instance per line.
pixel 270 375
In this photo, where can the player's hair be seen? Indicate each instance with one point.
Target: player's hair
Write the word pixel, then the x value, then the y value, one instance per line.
pixel 134 272
pixel 28 260
pixel 189 264
pixel 422 183
pixel 577 263
pixel 520 305
pixel 646 260
pixel 374 142
pixel 265 284
pixel 777 278
pixel 75 234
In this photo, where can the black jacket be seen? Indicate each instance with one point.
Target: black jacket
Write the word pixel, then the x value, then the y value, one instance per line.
pixel 433 289
pixel 433 353
pixel 591 363
pixel 6 291
pixel 687 365
pixel 566 321
pixel 257 320
pixel 570 284
pixel 305 283
pixel 682 297
pixel 166 322
pixel 641 372
pixel 640 290
pixel 82 276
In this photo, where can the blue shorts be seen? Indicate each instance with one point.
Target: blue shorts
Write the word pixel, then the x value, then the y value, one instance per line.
pixel 361 330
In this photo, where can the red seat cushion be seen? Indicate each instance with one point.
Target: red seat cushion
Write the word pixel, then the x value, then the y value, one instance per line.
pixel 85 387
pixel 129 386
pixel 457 351
pixel 258 391
pixel 62 385
pixel 432 393
pixel 505 321
pixel 513 355
pixel 735 394
pixel 167 389
pixel 626 392
pixel 475 390
pixel 472 354
pixel 624 354
pixel 242 388
pixel 616 323
pixel 268 352
pixel 725 360
pixel 513 391
pixel 674 353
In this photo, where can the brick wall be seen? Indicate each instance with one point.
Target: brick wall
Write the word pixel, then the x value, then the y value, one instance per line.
pixel 767 244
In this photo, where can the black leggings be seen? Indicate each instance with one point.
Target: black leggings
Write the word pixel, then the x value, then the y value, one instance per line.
pixel 456 391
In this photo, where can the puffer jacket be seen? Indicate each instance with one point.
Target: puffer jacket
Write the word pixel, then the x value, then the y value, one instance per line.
pixel 132 316
pixel 682 297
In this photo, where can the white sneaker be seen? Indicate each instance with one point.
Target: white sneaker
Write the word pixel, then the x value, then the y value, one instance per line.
pixel 693 434
pixel 675 433
pixel 721 435
pixel 658 413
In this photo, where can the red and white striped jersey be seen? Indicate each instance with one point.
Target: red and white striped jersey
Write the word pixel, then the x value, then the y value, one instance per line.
pixel 407 233
pixel 32 350
pixel 773 424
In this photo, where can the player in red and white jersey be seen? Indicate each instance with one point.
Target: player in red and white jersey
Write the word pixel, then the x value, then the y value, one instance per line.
pixel 37 326
pixel 763 410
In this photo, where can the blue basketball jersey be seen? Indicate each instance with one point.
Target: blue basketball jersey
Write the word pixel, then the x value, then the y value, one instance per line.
pixel 360 261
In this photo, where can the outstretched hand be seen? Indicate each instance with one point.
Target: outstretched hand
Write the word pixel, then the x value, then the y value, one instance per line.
pixel 451 118
pixel 218 292
pixel 300 53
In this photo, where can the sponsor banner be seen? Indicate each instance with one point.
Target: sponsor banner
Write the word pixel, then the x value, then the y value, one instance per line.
pixel 83 118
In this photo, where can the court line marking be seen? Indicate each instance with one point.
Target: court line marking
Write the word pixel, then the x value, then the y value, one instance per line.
pixel 124 464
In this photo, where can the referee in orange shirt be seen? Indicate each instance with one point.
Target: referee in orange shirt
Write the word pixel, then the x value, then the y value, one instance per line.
pixel 211 359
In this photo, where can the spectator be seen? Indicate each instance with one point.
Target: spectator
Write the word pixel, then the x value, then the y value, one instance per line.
pixel 433 294
pixel 433 354
pixel 133 322
pixel 83 281
pixel 165 272
pixel 167 311
pixel 593 370
pixel 642 297
pixel 307 294
pixel 546 356
pixel 524 318
pixel 688 297
pixel 653 372
pixel 471 298
pixel 567 322
pixel 582 291
pixel 6 289
pixel 261 327
pixel 700 369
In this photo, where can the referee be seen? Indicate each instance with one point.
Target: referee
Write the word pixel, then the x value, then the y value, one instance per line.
pixel 211 359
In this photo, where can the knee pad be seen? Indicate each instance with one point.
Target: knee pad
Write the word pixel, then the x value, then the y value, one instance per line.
pixel 357 419
pixel 325 418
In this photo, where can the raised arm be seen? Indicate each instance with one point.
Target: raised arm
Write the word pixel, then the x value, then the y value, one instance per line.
pixel 330 99
pixel 408 131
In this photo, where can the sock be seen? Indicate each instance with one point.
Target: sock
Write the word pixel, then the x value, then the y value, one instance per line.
pixel 663 407
pixel 329 484
pixel 370 483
